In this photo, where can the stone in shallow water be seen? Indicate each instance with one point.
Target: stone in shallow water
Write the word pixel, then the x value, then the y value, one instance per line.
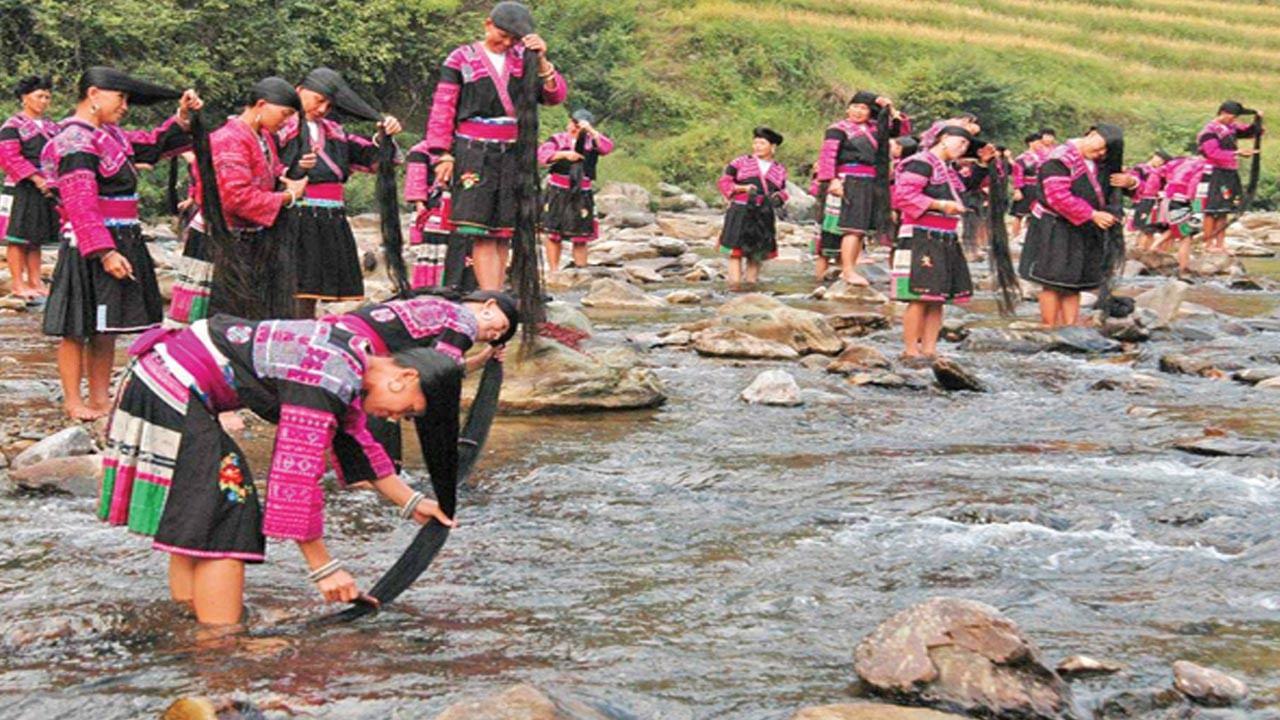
pixel 1207 686
pixel 770 319
pixel 74 440
pixel 727 342
pixel 1215 446
pixel 558 379
pixel 870 711
pixel 520 702
pixel 75 475
pixel 858 358
pixel 961 655
pixel 952 377
pixel 1083 665
pixel 610 294
pixel 773 387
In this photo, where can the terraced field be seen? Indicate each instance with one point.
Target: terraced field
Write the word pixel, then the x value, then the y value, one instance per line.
pixel 712 69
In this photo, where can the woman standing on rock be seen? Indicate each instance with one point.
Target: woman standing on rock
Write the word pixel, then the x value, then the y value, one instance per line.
pixel 1217 145
pixel 249 281
pixel 323 152
pixel 478 136
pixel 755 185
pixel 105 282
pixel 1066 249
pixel 171 472
pixel 1150 176
pixel 929 267
pixel 849 167
pixel 569 207
pixel 28 213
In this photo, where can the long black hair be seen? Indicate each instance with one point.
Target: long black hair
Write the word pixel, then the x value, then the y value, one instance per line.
pixel 1008 289
pixel 1255 167
pixel 1113 237
pixel 389 214
pixel 526 275
pixel 882 210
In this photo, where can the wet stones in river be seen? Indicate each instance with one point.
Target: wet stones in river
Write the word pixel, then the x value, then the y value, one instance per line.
pixel 555 378
pixel 964 656
pixel 68 442
pixel 1185 364
pixel 1254 376
pixel 842 292
pixel 1220 446
pixel 1149 704
pixel 730 343
pixel 1207 686
pixel 203 708
pixel 1154 262
pixel 769 319
pixel 616 198
pixel 1078 666
pixel 1137 383
pixel 520 702
pixel 952 377
pixel 608 294
pixel 1025 341
pixel 773 387
pixel 685 297
pixel 76 475
pixel 870 711
pixel 800 204
pixel 858 324
pixel 858 358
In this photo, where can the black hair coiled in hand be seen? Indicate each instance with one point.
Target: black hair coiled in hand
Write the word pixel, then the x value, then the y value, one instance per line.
pixel 882 210
pixel 1113 237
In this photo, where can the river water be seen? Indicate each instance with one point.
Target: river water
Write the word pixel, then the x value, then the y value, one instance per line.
pixel 713 560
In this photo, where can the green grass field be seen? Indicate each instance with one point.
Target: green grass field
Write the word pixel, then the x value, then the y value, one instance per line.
pixel 704 72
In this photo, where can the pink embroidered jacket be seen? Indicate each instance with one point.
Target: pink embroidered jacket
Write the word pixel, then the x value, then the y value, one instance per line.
pixel 922 179
pixel 247 167
pixel 745 170
pixel 92 170
pixel 1069 186
pixel 1217 143
pixel 472 89
pixel 21 140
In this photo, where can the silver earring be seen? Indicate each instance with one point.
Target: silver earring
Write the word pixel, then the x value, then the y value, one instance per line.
pixel 395 386
pixel 94 108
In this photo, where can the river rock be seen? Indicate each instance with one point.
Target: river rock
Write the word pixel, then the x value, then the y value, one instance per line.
pixel 1156 263
pixel 1126 329
pixel 800 204
pixel 858 324
pixel 964 656
pixel 1150 704
pixel 684 297
pixel 728 342
pixel 1269 384
pixel 954 330
pixel 689 228
pixel 633 219
pixel 1207 686
pixel 75 475
pixel 880 378
pixel 643 274
pixel 669 246
pixel 1253 376
pixel 616 197
pixel 870 711
pixel 769 319
pixel 565 315
pixel 952 377
pixel 555 378
pixel 858 358
pixel 841 291
pixel 1210 265
pixel 679 203
pixel 74 440
pixel 520 702
pixel 773 387
pixel 1219 446
pixel 611 294
pixel 1164 300
pixel 1183 364
pixel 1083 666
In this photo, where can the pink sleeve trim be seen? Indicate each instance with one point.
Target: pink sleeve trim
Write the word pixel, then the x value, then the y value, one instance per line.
pixel 908 195
pixel 604 145
pixel 356 424
pixel 444 111
pixel 827 160
pixel 557 94
pixel 15 167
pixel 1060 199
pixel 78 191
pixel 547 150
pixel 295 498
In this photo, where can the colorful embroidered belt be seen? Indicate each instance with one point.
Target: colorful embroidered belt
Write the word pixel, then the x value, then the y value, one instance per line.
pixel 562 181
pixel 187 350
pixel 118 211
pixel 857 170
pixel 197 224
pixel 503 130
pixel 323 195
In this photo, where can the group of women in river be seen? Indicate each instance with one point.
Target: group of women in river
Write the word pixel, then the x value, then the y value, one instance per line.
pixel 874 181
pixel 268 238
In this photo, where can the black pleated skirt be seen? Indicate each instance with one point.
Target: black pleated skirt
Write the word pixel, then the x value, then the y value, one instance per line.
pixel 749 231
pixel 858 205
pixel 33 216
pixel 84 300
pixel 1225 192
pixel 569 214
pixel 1063 256
pixel 328 261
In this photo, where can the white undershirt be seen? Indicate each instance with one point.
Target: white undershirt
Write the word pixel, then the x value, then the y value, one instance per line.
pixel 765 167
pixel 499 60
pixel 313 132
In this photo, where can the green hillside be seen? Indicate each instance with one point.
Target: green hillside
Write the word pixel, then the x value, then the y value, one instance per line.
pixel 681 83
pixel 712 69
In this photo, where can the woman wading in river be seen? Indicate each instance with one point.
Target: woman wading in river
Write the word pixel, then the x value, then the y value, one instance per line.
pixel 755 185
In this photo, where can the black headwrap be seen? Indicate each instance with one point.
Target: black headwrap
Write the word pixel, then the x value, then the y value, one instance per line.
pixel 512 18
pixel 1048 131
pixel 1163 155
pixel 32 83
pixel 277 91
pixel 329 83
pixel 773 136
pixel 955 131
pixel 140 92
pixel 1032 137
pixel 910 146
pixel 863 97
pixel 584 115
pixel 1235 108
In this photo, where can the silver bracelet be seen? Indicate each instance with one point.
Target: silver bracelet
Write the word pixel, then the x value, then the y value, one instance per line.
pixel 406 511
pixel 325 570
